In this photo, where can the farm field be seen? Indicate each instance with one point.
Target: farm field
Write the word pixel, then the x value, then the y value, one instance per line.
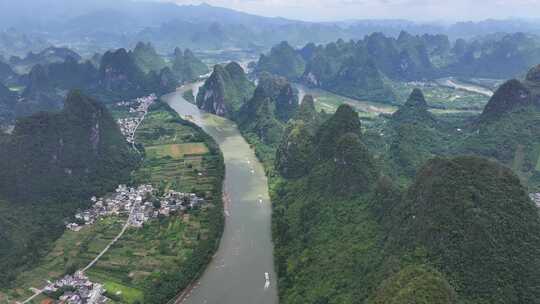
pixel 177 156
pixel 442 101
pixel 177 151
pixel 72 251
pixel 441 97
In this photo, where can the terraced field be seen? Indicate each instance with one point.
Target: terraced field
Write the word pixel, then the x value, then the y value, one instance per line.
pixel 72 251
pixel 177 156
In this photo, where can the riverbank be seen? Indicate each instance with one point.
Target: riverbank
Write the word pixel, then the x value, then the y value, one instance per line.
pixel 236 274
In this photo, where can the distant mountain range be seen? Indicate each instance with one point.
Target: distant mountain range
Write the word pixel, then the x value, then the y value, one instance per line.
pixel 116 75
pixel 362 69
pixel 101 24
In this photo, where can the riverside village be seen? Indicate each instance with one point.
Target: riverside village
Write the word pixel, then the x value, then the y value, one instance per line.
pixel 138 204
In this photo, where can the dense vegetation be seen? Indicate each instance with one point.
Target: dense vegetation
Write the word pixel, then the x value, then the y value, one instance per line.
pixel 225 91
pixel 40 94
pixel 147 58
pixel 508 130
pixel 362 69
pixel 505 131
pixel 264 115
pixel 82 153
pixel 477 226
pixel 345 235
pixel 283 60
pixel 295 154
pixel 415 136
pixel 320 231
pixel 113 76
pixel 152 264
pixel 377 215
pixel 163 128
pixel 261 113
pixel 186 66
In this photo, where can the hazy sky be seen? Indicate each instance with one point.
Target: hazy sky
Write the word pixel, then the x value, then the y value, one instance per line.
pixel 430 10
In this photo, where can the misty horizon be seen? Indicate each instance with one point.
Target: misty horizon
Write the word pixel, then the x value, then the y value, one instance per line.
pixel 418 11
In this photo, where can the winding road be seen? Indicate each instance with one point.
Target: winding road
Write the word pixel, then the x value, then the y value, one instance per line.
pixel 242 270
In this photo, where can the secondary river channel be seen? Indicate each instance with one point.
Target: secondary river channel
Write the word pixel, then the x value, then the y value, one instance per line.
pixel 239 270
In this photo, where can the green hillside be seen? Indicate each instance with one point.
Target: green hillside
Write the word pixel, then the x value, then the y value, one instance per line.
pixel 225 91
pixel 81 152
pixel 146 57
pixel 477 225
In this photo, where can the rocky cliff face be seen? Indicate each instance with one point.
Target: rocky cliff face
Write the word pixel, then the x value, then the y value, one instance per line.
pixel 296 152
pixel 282 94
pixel 211 97
pixel 225 91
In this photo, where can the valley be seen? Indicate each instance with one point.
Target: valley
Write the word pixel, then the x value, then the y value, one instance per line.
pixel 443 100
pixel 164 153
pixel 236 273
pixel 127 261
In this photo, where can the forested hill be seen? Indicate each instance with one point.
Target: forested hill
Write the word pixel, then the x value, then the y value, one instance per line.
pixel 463 215
pixel 346 234
pixel 225 91
pixel 508 128
pixel 80 149
pixel 110 77
pixel 361 69
pixel 50 164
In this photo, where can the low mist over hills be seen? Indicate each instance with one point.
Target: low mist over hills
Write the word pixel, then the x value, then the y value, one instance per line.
pixel 40 81
pixel 121 23
pixel 365 69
